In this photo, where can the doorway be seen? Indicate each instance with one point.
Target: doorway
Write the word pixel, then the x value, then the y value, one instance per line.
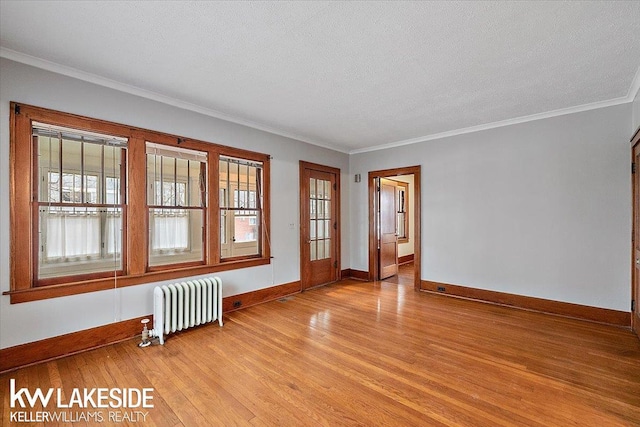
pixel 635 235
pixel 383 260
pixel 319 225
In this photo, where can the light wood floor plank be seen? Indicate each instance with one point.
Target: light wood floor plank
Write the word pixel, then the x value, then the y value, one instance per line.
pixel 358 353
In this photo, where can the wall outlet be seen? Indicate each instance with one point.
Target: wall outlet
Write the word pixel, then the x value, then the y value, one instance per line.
pixel 237 304
pixel 441 289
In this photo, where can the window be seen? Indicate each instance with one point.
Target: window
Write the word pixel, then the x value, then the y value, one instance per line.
pixel 79 205
pixel 176 200
pixel 96 205
pixel 240 216
pixel 402 195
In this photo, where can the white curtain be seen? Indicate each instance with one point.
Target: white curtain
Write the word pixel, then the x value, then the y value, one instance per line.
pixel 72 234
pixel 170 230
pixel 76 234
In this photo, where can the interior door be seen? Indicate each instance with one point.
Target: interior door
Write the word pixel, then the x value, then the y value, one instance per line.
pixel 388 233
pixel 319 227
pixel 635 293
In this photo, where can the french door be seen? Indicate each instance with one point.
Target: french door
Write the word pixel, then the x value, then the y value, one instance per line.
pixel 319 225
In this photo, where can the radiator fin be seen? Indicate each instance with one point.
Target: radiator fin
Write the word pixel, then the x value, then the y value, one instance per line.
pixel 183 305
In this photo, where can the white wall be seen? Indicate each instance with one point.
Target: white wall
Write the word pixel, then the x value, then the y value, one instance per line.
pixel 26 322
pixel 540 209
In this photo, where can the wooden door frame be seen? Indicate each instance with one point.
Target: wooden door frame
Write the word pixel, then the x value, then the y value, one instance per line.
pixel 373 249
pixel 635 140
pixel 303 196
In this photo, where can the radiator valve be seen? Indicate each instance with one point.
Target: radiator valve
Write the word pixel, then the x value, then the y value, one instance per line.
pixel 145 334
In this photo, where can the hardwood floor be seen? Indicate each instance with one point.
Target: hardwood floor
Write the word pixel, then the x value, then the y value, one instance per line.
pixel 358 353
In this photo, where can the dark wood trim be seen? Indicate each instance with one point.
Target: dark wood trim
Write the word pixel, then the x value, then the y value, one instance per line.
pixel 635 233
pixel 636 137
pixel 405 259
pixel 54 291
pixel 23 245
pixel 303 165
pixel 261 295
pixel 64 345
pixel 584 312
pixel 417 217
pixel 350 273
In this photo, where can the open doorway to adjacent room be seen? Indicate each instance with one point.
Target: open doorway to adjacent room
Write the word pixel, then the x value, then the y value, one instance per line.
pixel 394 225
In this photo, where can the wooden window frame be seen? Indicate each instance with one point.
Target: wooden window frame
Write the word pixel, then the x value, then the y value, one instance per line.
pixel 231 215
pixel 205 209
pixel 135 268
pixel 35 220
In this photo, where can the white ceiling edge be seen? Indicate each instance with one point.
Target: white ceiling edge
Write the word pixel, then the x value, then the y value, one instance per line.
pixel 134 90
pixel 501 123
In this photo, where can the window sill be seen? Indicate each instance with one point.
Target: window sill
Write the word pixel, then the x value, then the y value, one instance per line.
pixel 66 289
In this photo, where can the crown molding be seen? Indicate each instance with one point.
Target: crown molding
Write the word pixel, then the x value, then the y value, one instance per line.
pixel 635 86
pixel 501 123
pixel 155 96
pixel 134 90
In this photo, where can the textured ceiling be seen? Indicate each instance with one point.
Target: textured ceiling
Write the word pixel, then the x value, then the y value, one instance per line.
pixel 346 75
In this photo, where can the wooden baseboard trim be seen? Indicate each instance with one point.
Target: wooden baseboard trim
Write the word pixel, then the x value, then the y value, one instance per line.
pixel 236 302
pixel 350 273
pixel 22 355
pixel 584 312
pixel 64 345
pixel 405 259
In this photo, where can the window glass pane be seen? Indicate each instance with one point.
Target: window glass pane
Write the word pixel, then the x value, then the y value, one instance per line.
pixel 327 248
pixel 112 189
pixel 53 187
pixel 182 178
pixel 79 240
pixel 224 183
pixel 327 209
pixel 175 236
pixel 327 190
pixel 112 156
pixel 240 216
pixel 176 177
pixel 245 229
pixel 49 168
pixel 92 172
pixel 153 179
pixel 168 181
pixel 400 225
pixel 326 229
pixel 312 229
pixel 320 250
pixel 91 189
pixel 320 230
pixel 312 250
pixel 197 184
pixel 320 206
pixel 312 188
pixel 320 189
pixel 223 227
pixel 71 165
pixel 312 208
